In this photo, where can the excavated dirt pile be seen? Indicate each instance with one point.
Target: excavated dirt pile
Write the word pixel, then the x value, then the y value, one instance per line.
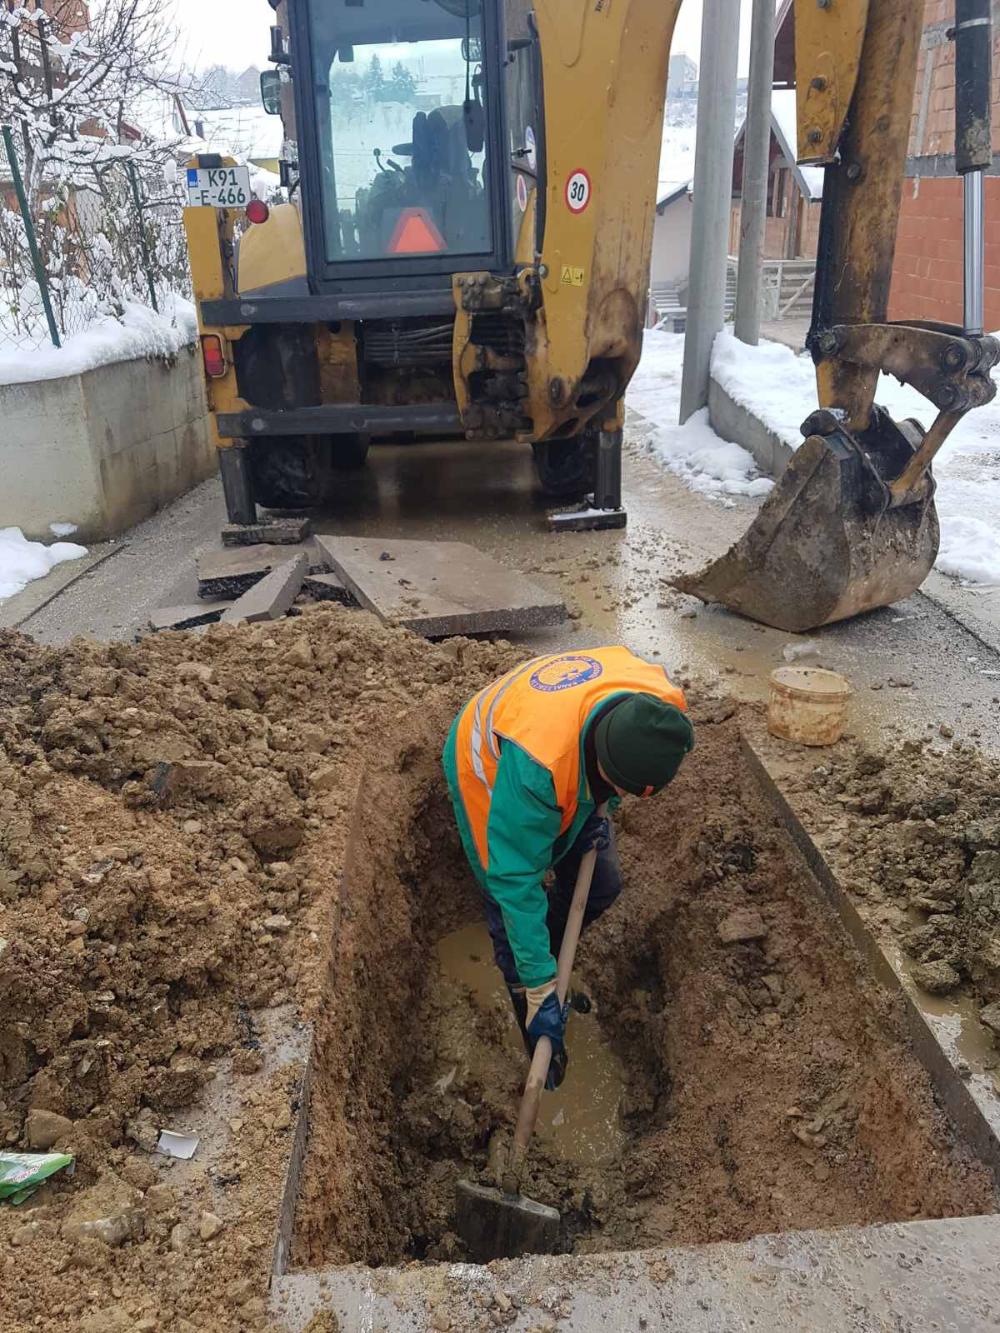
pixel 914 832
pixel 173 817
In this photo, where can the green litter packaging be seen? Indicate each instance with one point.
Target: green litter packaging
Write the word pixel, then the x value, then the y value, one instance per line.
pixel 22 1172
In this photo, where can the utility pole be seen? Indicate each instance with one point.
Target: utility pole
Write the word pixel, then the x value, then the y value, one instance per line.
pixel 713 194
pixel 756 170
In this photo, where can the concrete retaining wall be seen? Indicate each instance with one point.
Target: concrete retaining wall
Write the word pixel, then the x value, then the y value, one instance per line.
pixel 103 449
pixel 736 424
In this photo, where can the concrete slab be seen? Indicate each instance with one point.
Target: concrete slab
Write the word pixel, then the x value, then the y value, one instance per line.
pixel 187 617
pixel 916 1276
pixel 271 597
pixel 439 588
pixel 232 572
pixel 273 531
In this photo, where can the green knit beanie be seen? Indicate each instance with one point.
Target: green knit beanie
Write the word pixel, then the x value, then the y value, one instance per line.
pixel 640 744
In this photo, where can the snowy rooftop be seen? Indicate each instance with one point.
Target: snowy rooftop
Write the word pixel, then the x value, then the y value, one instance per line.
pixel 677 152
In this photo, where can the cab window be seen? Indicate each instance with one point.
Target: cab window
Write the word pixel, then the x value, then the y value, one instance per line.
pixel 400 91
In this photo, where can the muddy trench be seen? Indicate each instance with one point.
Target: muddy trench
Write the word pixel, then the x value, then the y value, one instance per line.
pixel 739 1072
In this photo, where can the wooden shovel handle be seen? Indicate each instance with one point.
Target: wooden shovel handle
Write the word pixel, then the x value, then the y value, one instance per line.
pixel 542 1058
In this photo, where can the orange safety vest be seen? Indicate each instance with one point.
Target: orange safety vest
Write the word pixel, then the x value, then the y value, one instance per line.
pixel 543 707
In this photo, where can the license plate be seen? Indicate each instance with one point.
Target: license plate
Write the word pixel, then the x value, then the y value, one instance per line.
pixel 218 187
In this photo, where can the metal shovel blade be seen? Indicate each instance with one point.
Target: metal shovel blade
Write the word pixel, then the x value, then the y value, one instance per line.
pixel 825 545
pixel 496 1225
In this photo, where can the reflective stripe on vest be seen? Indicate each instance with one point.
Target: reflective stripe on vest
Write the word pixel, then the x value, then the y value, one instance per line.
pixel 543 706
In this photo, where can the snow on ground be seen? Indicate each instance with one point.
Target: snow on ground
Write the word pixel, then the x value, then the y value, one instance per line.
pixel 140 332
pixel 21 560
pixel 705 461
pixel 780 388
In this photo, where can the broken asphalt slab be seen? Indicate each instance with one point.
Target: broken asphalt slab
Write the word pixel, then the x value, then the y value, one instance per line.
pixel 272 596
pixel 232 572
pixel 273 531
pixel 187 617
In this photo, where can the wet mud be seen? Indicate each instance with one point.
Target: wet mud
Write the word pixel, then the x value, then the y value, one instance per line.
pixel 753 1078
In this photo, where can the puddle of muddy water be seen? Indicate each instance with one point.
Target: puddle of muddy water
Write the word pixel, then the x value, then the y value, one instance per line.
pixel 581 1122
pixel 955 1017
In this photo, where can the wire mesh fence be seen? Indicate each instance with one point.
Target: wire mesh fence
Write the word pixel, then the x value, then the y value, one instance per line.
pixel 85 252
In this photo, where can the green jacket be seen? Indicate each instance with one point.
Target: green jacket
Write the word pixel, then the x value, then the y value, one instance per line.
pixel 524 842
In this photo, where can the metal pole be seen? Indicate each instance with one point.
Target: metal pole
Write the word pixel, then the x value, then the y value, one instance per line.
pixel 41 277
pixel 147 262
pixel 973 146
pixel 713 193
pixel 756 171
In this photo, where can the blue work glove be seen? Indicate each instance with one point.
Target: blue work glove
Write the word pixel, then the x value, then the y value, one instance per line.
pixel 549 1020
pixel 596 834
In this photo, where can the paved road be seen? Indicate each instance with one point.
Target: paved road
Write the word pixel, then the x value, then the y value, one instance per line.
pixel 485 494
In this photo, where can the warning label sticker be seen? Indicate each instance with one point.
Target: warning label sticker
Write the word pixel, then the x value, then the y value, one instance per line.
pixel 571 276
pixel 522 193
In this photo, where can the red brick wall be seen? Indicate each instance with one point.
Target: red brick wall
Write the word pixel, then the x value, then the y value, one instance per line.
pixel 68 16
pixel 927 278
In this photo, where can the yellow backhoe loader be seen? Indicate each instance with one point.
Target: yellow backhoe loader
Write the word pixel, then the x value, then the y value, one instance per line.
pixel 466 252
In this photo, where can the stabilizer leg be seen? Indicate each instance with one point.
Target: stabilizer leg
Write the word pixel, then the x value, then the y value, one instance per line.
pixel 605 508
pixel 237 484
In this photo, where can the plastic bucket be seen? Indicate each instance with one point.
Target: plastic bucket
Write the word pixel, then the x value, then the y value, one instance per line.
pixel 808 705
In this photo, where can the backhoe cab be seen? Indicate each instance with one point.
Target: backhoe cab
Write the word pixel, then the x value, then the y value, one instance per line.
pixel 467 248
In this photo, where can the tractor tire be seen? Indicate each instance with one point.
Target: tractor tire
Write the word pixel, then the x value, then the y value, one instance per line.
pixel 291 472
pixel 350 452
pixel 565 468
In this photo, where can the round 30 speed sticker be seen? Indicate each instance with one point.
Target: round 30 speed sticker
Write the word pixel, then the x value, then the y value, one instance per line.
pixel 578 192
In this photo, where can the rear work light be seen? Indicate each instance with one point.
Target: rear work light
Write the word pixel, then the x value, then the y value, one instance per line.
pixel 213 356
pixel 257 211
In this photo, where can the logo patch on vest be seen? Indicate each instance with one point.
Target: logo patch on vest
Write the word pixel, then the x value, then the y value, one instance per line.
pixel 565 672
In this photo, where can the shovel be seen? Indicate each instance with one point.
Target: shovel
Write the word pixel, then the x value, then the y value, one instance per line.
pixel 504 1223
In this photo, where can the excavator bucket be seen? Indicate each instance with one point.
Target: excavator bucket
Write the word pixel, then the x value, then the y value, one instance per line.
pixel 826 544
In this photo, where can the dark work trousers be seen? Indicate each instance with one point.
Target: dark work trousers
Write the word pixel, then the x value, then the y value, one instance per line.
pixel 604 889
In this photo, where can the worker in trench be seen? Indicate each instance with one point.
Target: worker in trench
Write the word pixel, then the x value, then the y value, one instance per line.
pixel 528 761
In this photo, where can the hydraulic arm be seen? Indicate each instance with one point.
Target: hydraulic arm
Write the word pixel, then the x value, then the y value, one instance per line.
pixel 852 524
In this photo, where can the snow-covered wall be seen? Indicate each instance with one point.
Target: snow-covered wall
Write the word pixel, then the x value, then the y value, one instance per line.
pixel 104 448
